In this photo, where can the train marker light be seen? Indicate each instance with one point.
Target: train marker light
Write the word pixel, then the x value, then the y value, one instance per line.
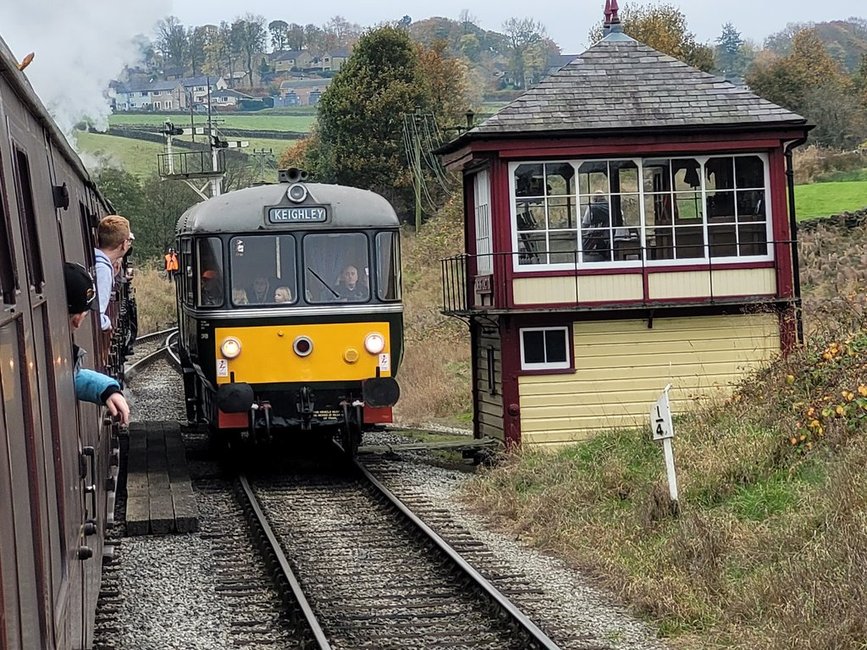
pixel 231 347
pixel 350 355
pixel 303 346
pixel 374 343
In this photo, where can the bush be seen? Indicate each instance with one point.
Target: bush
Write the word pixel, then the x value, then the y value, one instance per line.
pixel 155 299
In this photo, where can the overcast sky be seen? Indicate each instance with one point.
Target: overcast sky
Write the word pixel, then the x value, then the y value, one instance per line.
pixel 567 22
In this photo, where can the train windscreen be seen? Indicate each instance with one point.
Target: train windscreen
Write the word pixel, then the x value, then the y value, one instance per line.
pixel 336 268
pixel 263 270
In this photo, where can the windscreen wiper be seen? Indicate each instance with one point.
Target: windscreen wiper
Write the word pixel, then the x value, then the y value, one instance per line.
pixel 324 283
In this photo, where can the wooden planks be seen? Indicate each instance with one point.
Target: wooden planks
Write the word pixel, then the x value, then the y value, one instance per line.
pixel 160 499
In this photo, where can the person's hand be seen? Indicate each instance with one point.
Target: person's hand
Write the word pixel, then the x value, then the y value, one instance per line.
pixel 118 407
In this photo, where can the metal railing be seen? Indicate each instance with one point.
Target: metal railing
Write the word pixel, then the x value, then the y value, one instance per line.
pixel 464 291
pixel 190 164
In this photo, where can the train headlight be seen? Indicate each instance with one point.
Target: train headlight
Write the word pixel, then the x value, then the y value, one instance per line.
pixel 230 347
pixel 374 343
pixel 303 346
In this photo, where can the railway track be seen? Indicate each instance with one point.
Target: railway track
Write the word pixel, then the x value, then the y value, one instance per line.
pixel 363 571
pixel 153 347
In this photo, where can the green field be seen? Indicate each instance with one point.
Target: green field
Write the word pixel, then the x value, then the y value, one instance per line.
pixel 140 158
pixel 824 199
pixel 252 121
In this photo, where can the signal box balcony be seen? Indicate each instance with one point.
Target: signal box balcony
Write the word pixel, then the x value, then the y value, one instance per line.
pixel 499 283
pixel 191 164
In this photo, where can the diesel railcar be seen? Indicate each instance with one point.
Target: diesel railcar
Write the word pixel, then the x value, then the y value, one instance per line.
pixel 57 456
pixel 289 310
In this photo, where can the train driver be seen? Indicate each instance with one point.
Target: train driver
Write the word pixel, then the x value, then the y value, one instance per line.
pixel 349 287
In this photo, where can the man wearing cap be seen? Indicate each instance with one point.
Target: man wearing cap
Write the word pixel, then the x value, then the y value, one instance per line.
pixel 115 239
pixel 90 386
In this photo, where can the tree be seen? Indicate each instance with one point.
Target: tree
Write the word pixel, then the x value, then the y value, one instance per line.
pixel 295 37
pixel 248 37
pixel 221 54
pixel 728 51
pixel 339 33
pixel 279 34
pixel 359 140
pixel 314 37
pixel 663 27
pixel 198 38
pixel 171 42
pixel 522 34
pixel 810 82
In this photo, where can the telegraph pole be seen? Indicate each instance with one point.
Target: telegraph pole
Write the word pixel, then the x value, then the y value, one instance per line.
pixel 416 169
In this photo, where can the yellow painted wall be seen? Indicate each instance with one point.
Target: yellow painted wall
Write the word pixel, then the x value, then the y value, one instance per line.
pixel 570 289
pixel 622 367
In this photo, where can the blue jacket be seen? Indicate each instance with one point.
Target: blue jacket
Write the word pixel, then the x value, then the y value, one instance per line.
pixel 92 386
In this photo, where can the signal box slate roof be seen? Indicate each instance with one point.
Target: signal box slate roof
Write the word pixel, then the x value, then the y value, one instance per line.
pixel 619 84
pixel 244 210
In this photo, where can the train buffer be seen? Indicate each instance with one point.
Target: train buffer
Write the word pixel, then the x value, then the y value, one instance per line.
pixel 160 499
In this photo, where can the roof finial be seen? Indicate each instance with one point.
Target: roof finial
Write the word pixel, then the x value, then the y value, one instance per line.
pixel 607 13
pixel 613 19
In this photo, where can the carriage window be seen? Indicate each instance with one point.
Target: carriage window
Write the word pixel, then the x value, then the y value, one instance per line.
pixel 263 270
pixel 336 268
pixel 388 266
pixel 209 271
pixel 8 281
pixel 27 211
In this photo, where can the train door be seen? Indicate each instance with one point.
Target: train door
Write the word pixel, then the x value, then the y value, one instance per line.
pixel 23 427
pixel 12 601
pixel 94 440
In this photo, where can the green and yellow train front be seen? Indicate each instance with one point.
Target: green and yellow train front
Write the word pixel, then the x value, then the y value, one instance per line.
pixel 296 324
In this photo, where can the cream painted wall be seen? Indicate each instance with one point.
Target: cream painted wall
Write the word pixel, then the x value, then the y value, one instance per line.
pixel 622 367
pixel 676 284
pixel 571 289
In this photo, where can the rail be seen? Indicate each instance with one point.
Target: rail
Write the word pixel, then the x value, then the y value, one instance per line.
pixel 167 350
pixel 522 632
pixel 271 546
pixel 537 638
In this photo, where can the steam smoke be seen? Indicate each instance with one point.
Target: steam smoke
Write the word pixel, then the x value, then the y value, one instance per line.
pixel 80 46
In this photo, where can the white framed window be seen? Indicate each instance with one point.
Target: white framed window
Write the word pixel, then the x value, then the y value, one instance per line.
pixel 572 214
pixel 482 200
pixel 545 348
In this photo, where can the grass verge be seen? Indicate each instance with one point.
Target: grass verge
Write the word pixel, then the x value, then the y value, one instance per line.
pixel 770 549
pixel 824 199
pixel 254 121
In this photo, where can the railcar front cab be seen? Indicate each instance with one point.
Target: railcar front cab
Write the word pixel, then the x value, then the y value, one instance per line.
pixel 296 323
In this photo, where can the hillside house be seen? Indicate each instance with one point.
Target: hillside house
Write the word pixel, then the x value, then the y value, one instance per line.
pixel 164 95
pixel 306 91
pixel 228 98
pixel 628 224
pixel 291 60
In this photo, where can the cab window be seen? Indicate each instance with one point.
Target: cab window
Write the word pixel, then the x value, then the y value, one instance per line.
pixel 336 268
pixel 209 271
pixel 263 270
pixel 388 266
